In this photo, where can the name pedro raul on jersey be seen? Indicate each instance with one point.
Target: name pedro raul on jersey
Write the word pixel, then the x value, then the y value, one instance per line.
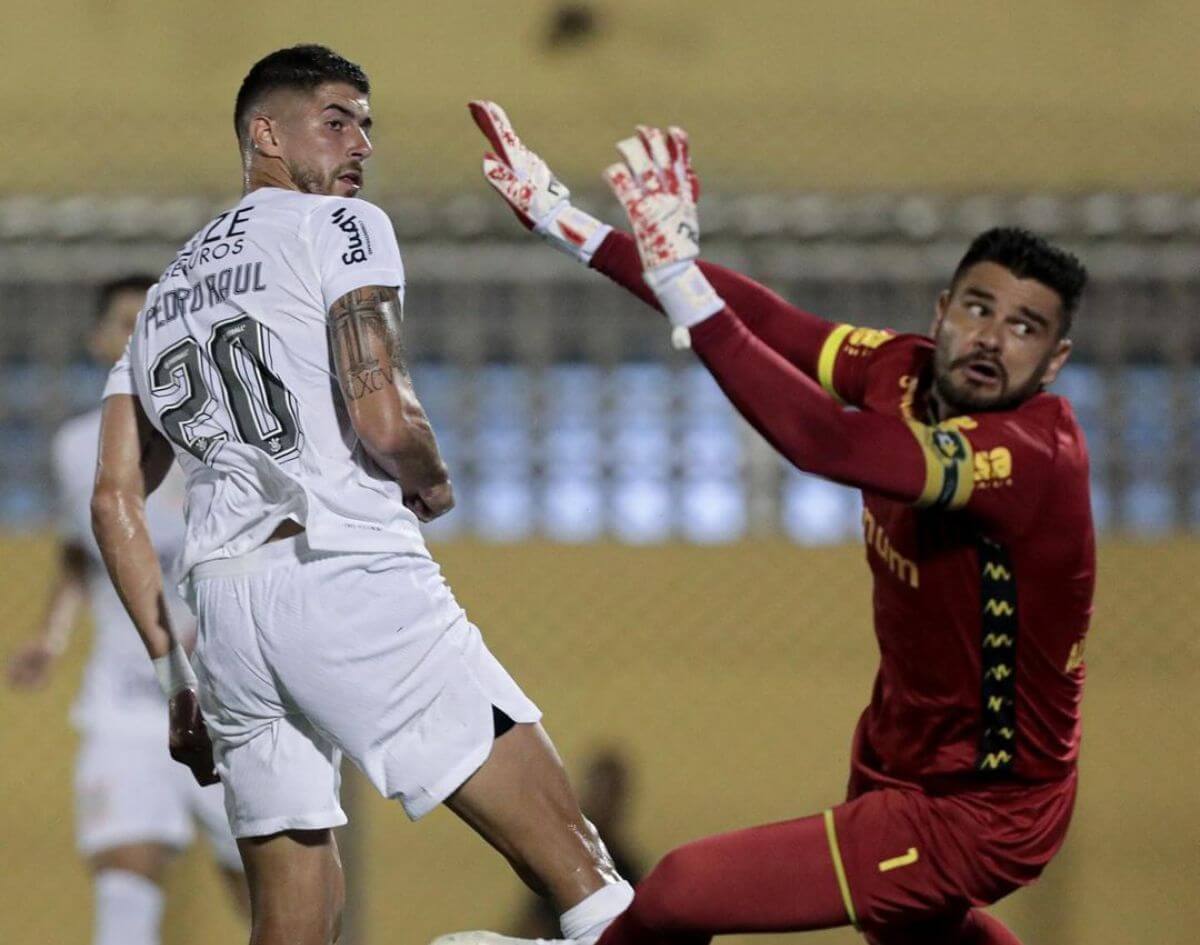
pixel 230 360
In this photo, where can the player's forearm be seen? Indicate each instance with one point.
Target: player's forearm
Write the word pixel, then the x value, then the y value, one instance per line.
pixel 861 449
pixel 408 452
pixel 794 333
pixel 67 595
pixel 119 523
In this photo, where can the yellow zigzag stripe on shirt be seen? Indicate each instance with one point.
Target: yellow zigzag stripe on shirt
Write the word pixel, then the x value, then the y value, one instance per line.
pixel 997 572
pixel 999 672
pixel 997 639
pixel 999 608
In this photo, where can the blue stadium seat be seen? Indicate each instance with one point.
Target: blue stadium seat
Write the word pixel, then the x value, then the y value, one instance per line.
pixel 503 508
pixel 713 509
pixel 641 510
pixel 817 512
pixel 574 508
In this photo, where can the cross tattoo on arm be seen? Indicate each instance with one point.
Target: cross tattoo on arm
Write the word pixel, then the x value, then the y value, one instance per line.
pixel 364 338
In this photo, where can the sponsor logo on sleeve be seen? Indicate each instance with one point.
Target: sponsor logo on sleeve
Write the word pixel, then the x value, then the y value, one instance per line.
pixel 869 338
pixel 358 238
pixel 993 468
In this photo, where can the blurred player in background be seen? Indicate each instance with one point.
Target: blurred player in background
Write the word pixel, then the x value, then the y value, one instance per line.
pixel 134 807
pixel 979 537
pixel 268 359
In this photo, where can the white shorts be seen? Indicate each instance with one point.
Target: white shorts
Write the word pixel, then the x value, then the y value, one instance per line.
pixel 303 655
pixel 128 790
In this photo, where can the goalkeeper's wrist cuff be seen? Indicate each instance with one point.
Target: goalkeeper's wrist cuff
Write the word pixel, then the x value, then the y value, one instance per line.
pixel 571 231
pixel 174 672
pixel 686 296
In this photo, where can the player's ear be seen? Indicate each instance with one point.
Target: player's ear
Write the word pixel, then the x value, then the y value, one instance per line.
pixel 940 307
pixel 1062 351
pixel 263 137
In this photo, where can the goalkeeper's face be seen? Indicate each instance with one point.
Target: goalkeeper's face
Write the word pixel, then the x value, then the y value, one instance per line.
pixel 998 340
pixel 323 138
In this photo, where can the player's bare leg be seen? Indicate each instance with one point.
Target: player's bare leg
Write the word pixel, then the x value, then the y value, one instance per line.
pixel 234 880
pixel 521 802
pixel 297 889
pixel 128 892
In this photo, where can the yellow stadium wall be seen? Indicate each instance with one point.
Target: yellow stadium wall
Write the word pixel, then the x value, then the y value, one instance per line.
pixel 136 96
pixel 732 675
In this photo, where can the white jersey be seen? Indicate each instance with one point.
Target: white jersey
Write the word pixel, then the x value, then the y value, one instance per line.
pixel 231 361
pixel 120 694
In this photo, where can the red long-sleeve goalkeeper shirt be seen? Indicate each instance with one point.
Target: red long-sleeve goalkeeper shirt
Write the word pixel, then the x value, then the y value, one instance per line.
pixel 978 531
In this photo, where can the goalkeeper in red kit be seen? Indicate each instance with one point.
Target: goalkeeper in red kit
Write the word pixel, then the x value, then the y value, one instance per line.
pixel 979 537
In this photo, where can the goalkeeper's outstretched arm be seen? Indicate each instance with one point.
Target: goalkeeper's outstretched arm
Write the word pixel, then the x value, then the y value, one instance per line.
pixel 791 332
pixel 542 203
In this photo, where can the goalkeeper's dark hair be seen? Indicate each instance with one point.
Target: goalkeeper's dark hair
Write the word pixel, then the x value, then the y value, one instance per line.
pixel 1027 256
pixel 107 291
pixel 297 67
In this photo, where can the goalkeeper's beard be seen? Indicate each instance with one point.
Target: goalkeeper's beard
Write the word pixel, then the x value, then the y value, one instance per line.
pixel 961 399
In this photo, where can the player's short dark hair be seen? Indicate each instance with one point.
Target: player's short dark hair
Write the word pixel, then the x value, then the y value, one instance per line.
pixel 135 282
pixel 1028 256
pixel 298 67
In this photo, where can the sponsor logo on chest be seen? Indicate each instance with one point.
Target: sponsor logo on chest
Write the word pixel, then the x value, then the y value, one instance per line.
pixel 881 546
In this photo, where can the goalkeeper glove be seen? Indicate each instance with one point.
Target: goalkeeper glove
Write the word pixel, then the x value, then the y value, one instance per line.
pixel 658 189
pixel 539 199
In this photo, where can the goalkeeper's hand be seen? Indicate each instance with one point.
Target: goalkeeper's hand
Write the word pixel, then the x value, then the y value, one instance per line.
pixel 539 199
pixel 657 187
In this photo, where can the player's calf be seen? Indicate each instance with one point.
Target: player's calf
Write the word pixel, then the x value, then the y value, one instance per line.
pixel 129 908
pixel 297 890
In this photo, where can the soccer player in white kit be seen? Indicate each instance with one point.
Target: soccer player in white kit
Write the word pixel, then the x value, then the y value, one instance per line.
pixel 268 360
pixel 134 808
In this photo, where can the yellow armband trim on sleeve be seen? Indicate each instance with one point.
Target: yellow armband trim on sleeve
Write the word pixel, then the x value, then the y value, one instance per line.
pixel 949 467
pixel 828 358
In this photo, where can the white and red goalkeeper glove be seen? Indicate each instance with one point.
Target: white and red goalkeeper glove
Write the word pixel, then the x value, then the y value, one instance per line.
pixel 539 199
pixel 658 189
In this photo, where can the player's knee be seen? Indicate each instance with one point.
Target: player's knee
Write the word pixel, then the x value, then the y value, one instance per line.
pixel 661 902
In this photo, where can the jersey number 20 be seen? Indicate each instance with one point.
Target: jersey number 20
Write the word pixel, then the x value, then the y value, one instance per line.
pixel 261 407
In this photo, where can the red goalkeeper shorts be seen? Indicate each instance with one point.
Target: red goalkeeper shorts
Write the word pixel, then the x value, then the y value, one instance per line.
pixel 903 854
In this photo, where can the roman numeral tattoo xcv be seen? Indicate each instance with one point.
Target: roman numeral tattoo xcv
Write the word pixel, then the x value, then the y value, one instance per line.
pixel 364 337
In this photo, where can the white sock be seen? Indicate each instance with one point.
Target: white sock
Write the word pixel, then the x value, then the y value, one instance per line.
pixel 585 920
pixel 129 908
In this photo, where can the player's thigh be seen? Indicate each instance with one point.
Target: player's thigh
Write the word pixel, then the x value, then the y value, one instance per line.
pixel 906 858
pixel 238 692
pixel 377 653
pixel 521 802
pixel 278 772
pixel 126 793
pixel 285 776
pixel 520 796
pixel 297 889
